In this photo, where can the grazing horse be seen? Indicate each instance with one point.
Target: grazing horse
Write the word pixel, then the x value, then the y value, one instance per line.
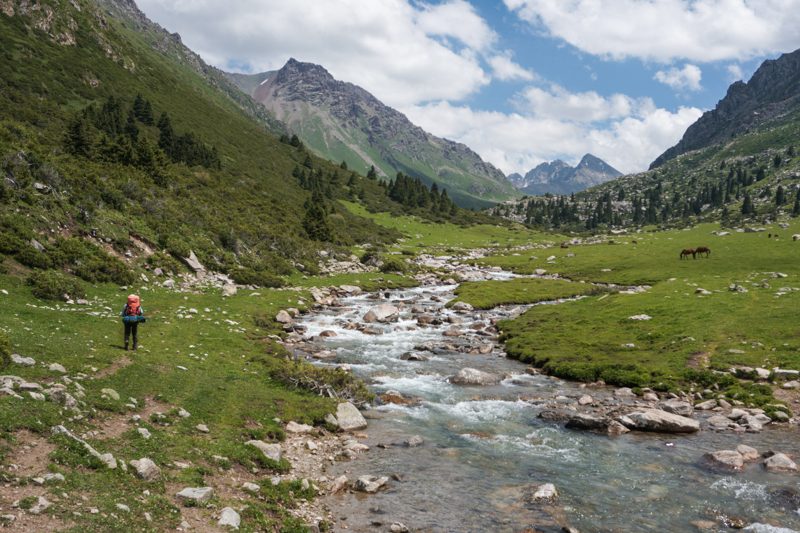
pixel 686 252
pixel 703 250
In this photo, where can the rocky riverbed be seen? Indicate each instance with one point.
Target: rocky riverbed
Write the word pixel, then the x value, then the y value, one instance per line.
pixel 463 439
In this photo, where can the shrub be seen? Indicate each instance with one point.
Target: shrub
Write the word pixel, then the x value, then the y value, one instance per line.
pixel 5 350
pixel 259 278
pixel 51 285
pixel 393 264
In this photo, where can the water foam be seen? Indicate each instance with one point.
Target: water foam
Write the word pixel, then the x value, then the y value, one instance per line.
pixel 741 489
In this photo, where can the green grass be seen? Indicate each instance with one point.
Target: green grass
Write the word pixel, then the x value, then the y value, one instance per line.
pixel 231 383
pixel 421 235
pixel 590 339
pixel 489 294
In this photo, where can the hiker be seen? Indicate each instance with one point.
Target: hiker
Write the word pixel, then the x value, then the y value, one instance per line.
pixel 131 315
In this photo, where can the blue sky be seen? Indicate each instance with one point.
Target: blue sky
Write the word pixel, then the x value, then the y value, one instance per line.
pixel 519 81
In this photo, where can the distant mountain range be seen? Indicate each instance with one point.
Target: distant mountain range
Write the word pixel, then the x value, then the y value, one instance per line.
pixel 343 122
pixel 557 177
pixel 772 93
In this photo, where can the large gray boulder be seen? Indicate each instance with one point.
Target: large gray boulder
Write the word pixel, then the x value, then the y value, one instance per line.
pixel 473 376
pixel 349 418
pixel 382 313
pixel 586 421
pixel 270 451
pixel 725 460
pixel 779 462
pixel 195 495
pixel 146 469
pixel 370 484
pixel 662 421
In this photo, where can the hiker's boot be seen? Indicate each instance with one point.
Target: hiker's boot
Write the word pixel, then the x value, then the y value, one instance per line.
pixel 126 346
pixel 135 346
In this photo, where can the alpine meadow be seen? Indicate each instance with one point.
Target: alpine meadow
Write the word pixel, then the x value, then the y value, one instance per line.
pixel 353 266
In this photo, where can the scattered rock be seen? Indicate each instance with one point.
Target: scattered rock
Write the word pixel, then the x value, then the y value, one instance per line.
pixel 677 407
pixel 202 428
pixel 283 317
pixel 195 495
pixel 398 527
pixel 748 453
pixel 585 400
pixel 57 367
pixel 382 313
pixel 545 493
pixel 462 307
pixel 228 517
pixel 270 451
pixel 22 361
pixel 725 459
pixel 414 441
pixel 586 421
pixel 144 432
pixel 707 405
pixel 615 429
pixel 229 289
pixel 640 317
pixel 294 427
pixel 370 484
pixel 146 469
pixel 780 462
pixel 41 505
pixel 251 487
pixel 339 484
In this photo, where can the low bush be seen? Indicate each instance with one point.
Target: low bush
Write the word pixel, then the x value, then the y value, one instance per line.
pixel 394 264
pixel 259 278
pixel 51 285
pixel 5 350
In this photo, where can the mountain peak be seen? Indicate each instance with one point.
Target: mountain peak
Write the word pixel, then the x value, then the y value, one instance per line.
pixel 557 177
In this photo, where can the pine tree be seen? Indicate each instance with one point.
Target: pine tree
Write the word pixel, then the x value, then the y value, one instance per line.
pixel 131 129
pixel 747 205
pixel 796 208
pixel 78 139
pixel 166 137
pixel 315 222
pixel 372 173
pixel 780 196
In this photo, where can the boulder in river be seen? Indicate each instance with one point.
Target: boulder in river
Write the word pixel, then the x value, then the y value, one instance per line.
pixel 472 376
pixel 586 421
pixel 781 463
pixel 370 484
pixel 730 460
pixel 382 313
pixel 662 421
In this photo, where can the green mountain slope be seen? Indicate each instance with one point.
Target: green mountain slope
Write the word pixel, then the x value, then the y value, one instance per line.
pixel 225 188
pixel 343 122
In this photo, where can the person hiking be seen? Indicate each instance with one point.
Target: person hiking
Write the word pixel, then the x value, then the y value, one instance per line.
pixel 131 315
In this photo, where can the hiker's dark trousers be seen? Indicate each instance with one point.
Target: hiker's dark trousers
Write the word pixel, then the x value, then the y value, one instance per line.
pixel 131 328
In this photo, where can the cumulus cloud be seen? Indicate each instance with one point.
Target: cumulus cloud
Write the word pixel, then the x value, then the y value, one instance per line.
pixel 735 72
pixel 627 133
pixel 665 30
pixel 504 68
pixel 686 78
pixel 404 53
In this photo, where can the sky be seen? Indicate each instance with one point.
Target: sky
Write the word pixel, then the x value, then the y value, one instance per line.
pixel 520 82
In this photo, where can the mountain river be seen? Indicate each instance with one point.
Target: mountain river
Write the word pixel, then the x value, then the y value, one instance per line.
pixel 485 447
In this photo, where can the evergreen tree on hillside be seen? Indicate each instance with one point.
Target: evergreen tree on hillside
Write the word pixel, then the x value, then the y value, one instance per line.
pixel 131 129
pixel 372 173
pixel 315 221
pixel 747 205
pixel 142 110
pixel 166 135
pixel 78 139
pixel 796 208
pixel 780 196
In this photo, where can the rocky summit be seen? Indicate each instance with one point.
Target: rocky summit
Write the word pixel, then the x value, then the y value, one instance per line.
pixel 558 177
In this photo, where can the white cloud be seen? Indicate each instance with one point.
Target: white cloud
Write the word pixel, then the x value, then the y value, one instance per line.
pixel 504 68
pixel 735 72
pixel 627 133
pixel 403 53
pixel 686 78
pixel 665 30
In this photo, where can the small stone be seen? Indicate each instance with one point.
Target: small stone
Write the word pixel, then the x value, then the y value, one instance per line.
pixel 706 406
pixel 615 429
pixel 544 493
pixel 370 484
pixel 183 413
pixel 41 505
pixel 294 427
pixel 51 477
pixel 585 400
pixel 229 518
pixel 398 527
pixel 414 441
pixel 144 432
pixel 339 484
pixel 123 507
pixel 283 317
pixel 251 487
pixel 196 494
pixel 202 428
pixel 725 459
pixel 57 367
pixel 146 469
pixel 748 453
pixel 111 393
pixel 650 397
pixel 270 451
pixel 38 396
pixel 22 361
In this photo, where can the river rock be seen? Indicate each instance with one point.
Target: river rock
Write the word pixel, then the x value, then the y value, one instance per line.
pixel 462 307
pixel 720 423
pixel 270 451
pixel 780 462
pixel 662 421
pixel 412 356
pixel 195 495
pixel 472 376
pixel 414 441
pixel 545 493
pixel 370 484
pixel 228 517
pixel 585 400
pixel 294 427
pixel 615 429
pixel 349 418
pixel 624 392
pixel 283 317
pixel 146 469
pixel 586 421
pixel 339 484
pixel 382 313
pixel 725 459
pixel 677 407
pixel 706 406
pixel 41 505
pixel 352 290
pixel 748 453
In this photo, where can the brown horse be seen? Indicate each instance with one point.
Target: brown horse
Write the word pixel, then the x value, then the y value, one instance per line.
pixel 703 250
pixel 686 252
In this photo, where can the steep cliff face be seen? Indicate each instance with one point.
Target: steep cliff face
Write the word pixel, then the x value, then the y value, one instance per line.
pixel 344 122
pixel 557 177
pixel 772 92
